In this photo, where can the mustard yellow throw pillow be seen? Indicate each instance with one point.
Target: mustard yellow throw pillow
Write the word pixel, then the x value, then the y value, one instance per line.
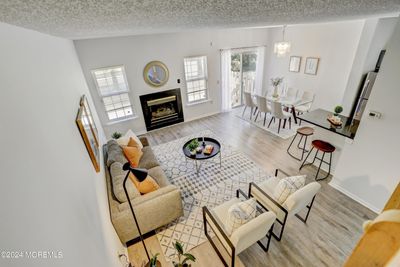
pixel 133 155
pixel 146 186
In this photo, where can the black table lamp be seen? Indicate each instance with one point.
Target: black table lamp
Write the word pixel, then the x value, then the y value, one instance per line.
pixel 140 174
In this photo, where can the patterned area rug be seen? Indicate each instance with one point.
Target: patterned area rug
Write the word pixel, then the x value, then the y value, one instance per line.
pixel 284 133
pixel 213 186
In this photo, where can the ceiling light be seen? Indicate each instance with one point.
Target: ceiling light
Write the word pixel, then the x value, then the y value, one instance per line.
pixel 283 47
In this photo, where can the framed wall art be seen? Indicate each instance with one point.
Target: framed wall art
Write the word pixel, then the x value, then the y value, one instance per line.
pixel 294 64
pixel 311 65
pixel 88 131
pixel 85 104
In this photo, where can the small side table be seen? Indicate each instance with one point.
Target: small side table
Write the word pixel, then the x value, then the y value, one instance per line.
pixel 201 156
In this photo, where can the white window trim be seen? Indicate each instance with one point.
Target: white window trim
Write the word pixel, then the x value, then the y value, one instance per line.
pixel 130 118
pixel 200 101
pixel 203 101
pixel 117 120
pixel 106 68
pixel 133 116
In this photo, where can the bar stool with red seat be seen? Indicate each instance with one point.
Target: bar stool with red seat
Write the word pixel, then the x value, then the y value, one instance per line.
pixel 324 147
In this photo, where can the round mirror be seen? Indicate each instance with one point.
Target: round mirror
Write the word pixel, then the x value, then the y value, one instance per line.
pixel 155 73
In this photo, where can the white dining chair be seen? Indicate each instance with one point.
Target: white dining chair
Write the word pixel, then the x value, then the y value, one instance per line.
pixel 268 93
pixel 278 113
pixel 306 101
pixel 248 102
pixel 262 107
pixel 291 93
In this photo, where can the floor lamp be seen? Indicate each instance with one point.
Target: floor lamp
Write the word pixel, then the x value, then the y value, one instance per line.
pixel 140 174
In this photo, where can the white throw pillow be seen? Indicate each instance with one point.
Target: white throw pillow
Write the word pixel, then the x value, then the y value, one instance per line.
pixel 124 140
pixel 240 214
pixel 288 186
pixel 249 207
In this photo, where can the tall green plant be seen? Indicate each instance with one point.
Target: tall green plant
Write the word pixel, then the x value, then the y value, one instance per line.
pixel 153 260
pixel 183 258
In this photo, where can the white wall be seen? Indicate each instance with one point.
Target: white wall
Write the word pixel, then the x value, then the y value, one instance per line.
pixel 135 52
pixel 50 196
pixel 334 43
pixel 368 169
pixel 374 37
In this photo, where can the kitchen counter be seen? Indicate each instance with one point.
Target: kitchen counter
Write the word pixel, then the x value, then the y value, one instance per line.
pixel 319 117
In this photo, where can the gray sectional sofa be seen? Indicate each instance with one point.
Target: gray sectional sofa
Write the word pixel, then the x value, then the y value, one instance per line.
pixel 152 210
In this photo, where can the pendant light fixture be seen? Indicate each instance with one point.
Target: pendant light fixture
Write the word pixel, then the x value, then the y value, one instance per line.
pixel 283 47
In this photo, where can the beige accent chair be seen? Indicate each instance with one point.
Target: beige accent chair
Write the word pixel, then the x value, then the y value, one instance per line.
pixel 278 113
pixel 241 238
pixel 262 107
pixel 248 102
pixel 303 198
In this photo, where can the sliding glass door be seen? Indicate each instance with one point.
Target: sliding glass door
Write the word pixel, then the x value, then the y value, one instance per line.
pixel 243 75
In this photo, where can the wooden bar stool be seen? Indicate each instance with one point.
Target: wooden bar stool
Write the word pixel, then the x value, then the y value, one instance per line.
pixel 324 147
pixel 304 132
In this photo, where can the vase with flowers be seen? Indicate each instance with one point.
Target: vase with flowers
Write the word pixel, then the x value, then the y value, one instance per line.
pixel 275 82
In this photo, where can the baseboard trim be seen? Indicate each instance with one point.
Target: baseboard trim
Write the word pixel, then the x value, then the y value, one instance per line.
pixel 354 197
pixel 203 116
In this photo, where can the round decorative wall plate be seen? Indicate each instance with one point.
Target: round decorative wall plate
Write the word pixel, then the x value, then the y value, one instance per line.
pixel 155 73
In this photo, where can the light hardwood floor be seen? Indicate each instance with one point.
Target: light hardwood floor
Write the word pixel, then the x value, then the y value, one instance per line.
pixel 334 225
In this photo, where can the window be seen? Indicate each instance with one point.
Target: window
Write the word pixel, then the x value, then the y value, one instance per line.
pixel 196 78
pixel 113 89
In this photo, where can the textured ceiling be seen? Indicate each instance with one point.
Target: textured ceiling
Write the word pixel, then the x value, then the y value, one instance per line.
pixel 101 18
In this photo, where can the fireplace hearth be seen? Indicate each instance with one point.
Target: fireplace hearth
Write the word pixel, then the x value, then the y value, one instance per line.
pixel 162 109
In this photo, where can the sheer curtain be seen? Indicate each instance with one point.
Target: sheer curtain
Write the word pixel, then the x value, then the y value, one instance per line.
pixel 226 80
pixel 258 85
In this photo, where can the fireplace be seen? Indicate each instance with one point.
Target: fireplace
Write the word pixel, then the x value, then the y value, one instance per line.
pixel 162 109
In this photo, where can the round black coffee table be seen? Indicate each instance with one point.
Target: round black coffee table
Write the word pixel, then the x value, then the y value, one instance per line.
pixel 201 155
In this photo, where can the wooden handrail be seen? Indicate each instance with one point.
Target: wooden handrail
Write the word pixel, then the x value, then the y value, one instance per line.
pixel 380 242
pixel 394 201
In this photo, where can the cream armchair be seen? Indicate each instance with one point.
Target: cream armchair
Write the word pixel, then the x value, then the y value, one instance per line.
pixel 303 198
pixel 241 238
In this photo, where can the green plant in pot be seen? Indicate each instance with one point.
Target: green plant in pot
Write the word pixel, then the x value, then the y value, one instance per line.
pixel 154 262
pixel 192 146
pixel 183 258
pixel 116 135
pixel 338 110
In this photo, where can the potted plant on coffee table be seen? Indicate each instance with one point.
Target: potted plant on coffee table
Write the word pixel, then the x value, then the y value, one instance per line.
pixel 192 146
pixel 183 258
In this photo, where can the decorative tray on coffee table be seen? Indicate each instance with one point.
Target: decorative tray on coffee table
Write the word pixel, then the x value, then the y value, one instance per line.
pixel 207 141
